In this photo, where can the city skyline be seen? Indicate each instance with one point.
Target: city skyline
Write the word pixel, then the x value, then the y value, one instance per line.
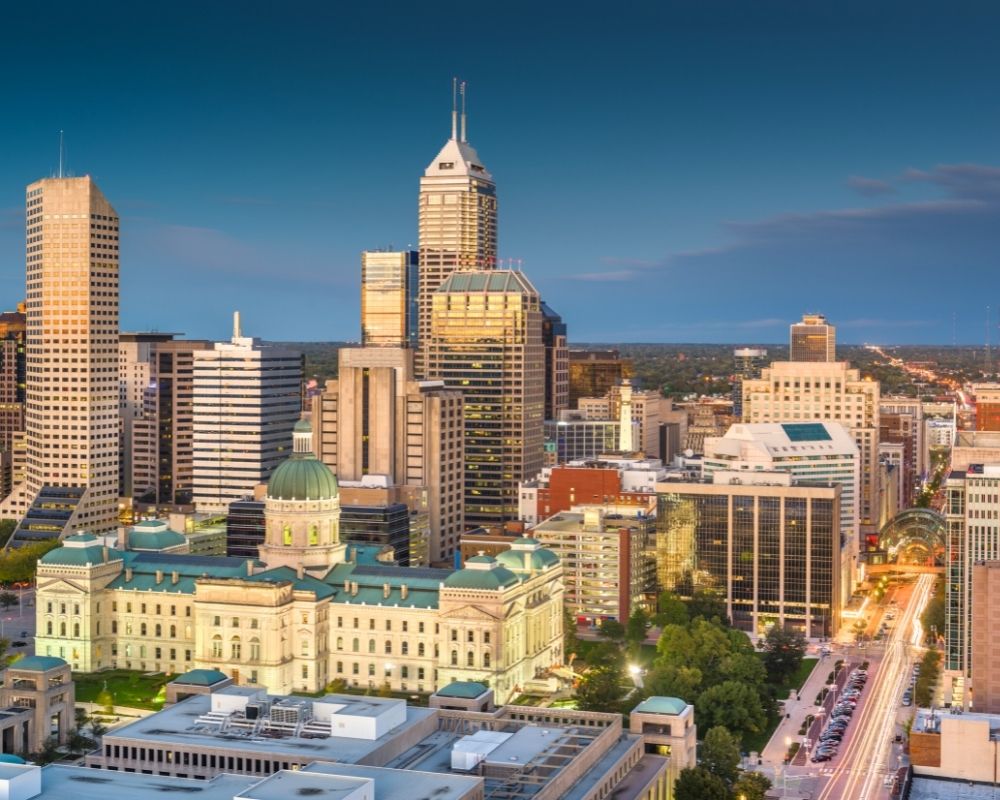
pixel 672 144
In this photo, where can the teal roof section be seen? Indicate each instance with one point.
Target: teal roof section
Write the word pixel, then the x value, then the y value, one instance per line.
pixel 661 705
pixel 538 559
pixel 307 583
pixel 38 663
pixel 806 432
pixel 81 537
pixel 154 540
pixel 482 573
pixel 201 677
pixel 480 560
pixel 423 585
pixel 69 556
pixel 494 281
pixel 466 690
pixel 188 568
pixel 10 758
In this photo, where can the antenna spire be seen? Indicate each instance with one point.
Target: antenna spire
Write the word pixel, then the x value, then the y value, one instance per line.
pixel 454 108
pixel 60 154
pixel 462 89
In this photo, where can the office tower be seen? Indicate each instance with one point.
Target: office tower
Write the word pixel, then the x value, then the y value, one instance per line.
pixel 649 409
pixel 972 535
pixel 985 668
pixel 486 339
pixel 383 525
pixel 987 397
pixel 791 391
pixel 389 298
pixel 556 363
pixel 817 452
pixel 575 438
pixel 156 411
pixel 813 339
pixel 247 398
pixel 13 329
pixel 245 528
pixel 376 420
pixel 769 544
pixel 706 417
pixel 593 373
pixel 457 217
pixel 747 363
pixel 901 421
pixel 72 352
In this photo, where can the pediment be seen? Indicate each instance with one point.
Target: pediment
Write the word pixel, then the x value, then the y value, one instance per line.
pixel 61 586
pixel 469 612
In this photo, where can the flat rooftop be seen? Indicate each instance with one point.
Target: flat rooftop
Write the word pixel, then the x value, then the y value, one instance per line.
pixel 80 783
pixel 924 788
pixel 177 725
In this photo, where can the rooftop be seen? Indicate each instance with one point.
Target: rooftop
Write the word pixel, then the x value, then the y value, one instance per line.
pixel 38 663
pixel 467 690
pixel 661 705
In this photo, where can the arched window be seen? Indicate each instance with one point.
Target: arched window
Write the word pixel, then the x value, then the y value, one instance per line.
pixel 286 534
pixel 405 647
pixel 486 660
pixel 216 646
pixel 236 648
pixel 371 645
pixel 314 534
pixel 454 658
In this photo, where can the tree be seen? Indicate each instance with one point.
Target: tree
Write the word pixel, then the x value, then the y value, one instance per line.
pixel 708 604
pixel 19 564
pixel 695 783
pixel 337 686
pixel 751 786
pixel 612 629
pixel 783 652
pixel 7 527
pixel 600 689
pixel 7 599
pixel 720 754
pixel 674 681
pixel 97 727
pixel 635 628
pixel 735 706
pixel 48 753
pixel 78 742
pixel 932 620
pixel 670 610
pixel 385 690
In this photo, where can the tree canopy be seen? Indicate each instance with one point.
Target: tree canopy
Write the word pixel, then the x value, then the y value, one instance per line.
pixel 783 652
pixel 695 783
pixel 719 753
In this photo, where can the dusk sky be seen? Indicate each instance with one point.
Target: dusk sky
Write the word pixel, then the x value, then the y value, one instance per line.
pixel 679 172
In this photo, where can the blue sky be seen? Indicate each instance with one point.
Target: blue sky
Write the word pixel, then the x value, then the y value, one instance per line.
pixel 698 171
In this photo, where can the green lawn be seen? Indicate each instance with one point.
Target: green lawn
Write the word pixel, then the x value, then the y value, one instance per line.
pixel 798 679
pixel 127 687
pixel 756 742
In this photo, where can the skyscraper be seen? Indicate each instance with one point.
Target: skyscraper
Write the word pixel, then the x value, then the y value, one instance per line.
pixel 389 297
pixel 156 374
pixel 247 399
pixel 592 373
pixel 457 216
pixel 747 363
pixel 556 363
pixel 813 339
pixel 72 356
pixel 12 389
pixel 486 339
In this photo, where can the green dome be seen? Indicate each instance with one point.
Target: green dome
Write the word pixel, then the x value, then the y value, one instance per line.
pixel 302 476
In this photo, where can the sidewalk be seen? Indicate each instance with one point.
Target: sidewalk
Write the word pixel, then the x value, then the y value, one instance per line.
pixel 797 709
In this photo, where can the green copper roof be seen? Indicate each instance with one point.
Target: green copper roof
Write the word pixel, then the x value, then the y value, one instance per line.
pixel 303 477
pixel 537 559
pixel 307 583
pixel 78 556
pixel 38 663
pixel 661 705
pixel 489 579
pixel 201 677
pixel 467 690
pixel 157 540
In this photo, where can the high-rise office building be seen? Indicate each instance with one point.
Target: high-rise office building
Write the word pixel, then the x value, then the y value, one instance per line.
pixel 457 217
pixel 72 352
pixel 795 391
pixel 556 363
pixel 247 398
pixel 987 406
pixel 593 373
pixel 813 339
pixel 375 419
pixel 156 377
pixel 816 452
pixel 985 664
pixel 747 363
pixel 770 544
pixel 389 298
pixel 486 339
pixel 13 329
pixel 901 421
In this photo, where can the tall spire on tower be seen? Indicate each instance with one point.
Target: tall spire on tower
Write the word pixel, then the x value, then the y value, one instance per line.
pixel 454 108
pixel 461 89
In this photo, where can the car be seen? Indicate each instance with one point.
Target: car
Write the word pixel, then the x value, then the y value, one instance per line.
pixel 818 757
pixel 907 700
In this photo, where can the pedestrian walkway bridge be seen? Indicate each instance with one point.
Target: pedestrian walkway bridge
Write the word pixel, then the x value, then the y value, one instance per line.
pixel 913 538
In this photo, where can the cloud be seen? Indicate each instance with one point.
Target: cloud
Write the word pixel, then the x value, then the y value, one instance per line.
pixel 870 187
pixel 605 277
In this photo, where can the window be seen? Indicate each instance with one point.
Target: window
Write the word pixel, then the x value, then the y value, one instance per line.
pixel 114 626
pixel 371 624
pixel 420 673
pixel 486 660
pixel 48 607
pixel 371 645
pixel 236 622
pixel 305 670
pixel 420 649
pixel 470 659
pixel 158 630
pixel 454 636
pixel 216 646
pixel 142 629
pixel 486 637
pixel 371 670
pixel 255 649
pixel 406 626
pixel 404 672
pixel 388 648
pixel 454 658
pixel 340 642
pixel 405 647
pixel 304 647
pixel 470 637
pixel 355 668
pixel 173 631
pixel 236 648
pixel 48 627
pixel 420 627
pixel 313 537
pixel 355 646
pixel 217 621
pixel 254 624
pixel 388 625
pixel 286 535
pixel 76 630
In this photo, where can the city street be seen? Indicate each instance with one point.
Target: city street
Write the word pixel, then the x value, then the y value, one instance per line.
pixel 868 752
